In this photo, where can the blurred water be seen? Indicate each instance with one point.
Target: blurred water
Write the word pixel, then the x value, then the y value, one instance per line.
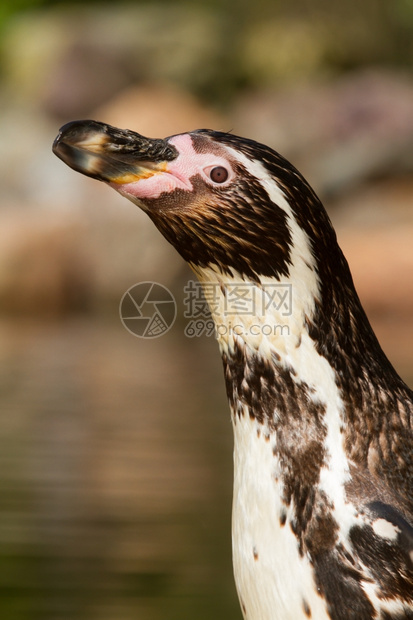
pixel 115 474
pixel 115 478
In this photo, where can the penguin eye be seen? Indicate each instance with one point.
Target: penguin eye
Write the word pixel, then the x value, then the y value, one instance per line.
pixel 218 174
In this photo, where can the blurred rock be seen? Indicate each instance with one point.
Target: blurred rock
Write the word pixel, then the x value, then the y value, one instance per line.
pixel 43 271
pixel 158 111
pixel 375 230
pixel 381 262
pixel 338 133
pixel 57 264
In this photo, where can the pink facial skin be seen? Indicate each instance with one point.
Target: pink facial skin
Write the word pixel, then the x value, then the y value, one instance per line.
pixel 177 174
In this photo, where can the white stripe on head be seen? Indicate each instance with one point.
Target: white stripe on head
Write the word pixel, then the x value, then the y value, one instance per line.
pixel 302 278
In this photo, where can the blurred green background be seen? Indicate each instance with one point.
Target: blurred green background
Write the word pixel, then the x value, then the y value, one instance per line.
pixel 116 452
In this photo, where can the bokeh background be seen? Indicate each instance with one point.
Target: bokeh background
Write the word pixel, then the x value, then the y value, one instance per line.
pixel 115 452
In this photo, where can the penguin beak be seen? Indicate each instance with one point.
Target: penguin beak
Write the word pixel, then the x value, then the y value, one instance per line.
pixel 109 154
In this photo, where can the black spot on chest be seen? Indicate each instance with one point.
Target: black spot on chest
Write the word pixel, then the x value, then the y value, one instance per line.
pixel 389 563
pixel 306 609
pixel 338 579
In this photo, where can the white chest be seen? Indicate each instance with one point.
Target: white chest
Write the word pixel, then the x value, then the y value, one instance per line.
pixel 273 581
